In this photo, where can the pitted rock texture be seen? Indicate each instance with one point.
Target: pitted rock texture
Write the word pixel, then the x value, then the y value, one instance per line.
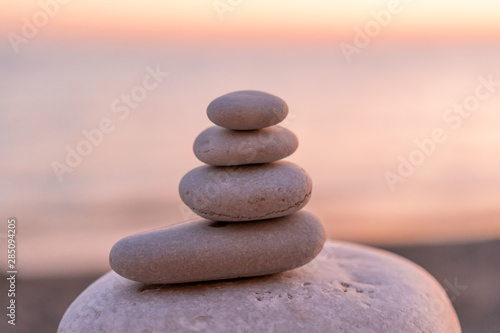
pixel 347 288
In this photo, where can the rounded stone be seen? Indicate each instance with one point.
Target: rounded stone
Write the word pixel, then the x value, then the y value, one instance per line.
pixel 205 250
pixel 223 147
pixel 246 193
pixel 347 288
pixel 247 110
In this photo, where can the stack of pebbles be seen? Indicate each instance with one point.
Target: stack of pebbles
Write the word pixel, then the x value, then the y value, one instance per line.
pixel 248 197
pixel 250 200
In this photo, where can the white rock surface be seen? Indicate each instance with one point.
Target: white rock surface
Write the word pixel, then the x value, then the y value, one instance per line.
pixel 347 288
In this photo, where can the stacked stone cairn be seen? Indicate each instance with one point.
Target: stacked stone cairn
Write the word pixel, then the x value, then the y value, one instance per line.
pixel 249 197
pixel 253 226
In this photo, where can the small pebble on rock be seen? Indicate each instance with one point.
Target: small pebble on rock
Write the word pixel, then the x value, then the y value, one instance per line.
pixel 206 250
pixel 246 193
pixel 247 110
pixel 223 147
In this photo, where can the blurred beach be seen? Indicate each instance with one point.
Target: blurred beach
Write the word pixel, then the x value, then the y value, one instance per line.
pixel 353 122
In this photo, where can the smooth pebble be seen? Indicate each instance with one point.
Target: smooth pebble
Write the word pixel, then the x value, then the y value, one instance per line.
pixel 223 147
pixel 206 250
pixel 247 110
pixel 245 193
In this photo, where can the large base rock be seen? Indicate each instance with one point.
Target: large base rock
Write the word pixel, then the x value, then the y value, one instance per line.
pixel 347 288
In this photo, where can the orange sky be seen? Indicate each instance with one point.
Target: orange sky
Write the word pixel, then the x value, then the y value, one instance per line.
pixel 257 19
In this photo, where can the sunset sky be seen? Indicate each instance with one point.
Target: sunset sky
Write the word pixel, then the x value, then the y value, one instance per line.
pixel 296 20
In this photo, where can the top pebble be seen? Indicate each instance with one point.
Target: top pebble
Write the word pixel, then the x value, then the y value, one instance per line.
pixel 247 110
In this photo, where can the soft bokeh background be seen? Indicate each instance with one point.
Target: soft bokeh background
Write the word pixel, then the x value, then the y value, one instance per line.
pixel 354 117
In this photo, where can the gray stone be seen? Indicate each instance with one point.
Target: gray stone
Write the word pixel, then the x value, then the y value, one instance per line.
pixel 222 147
pixel 245 193
pixel 247 110
pixel 206 250
pixel 347 288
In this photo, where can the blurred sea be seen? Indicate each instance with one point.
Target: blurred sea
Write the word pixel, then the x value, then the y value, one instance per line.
pixel 353 121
